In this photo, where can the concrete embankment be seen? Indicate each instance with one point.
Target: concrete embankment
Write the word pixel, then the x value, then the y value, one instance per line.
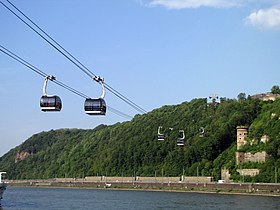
pixel 247 188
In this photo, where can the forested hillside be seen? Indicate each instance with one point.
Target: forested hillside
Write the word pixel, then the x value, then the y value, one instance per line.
pixel 132 149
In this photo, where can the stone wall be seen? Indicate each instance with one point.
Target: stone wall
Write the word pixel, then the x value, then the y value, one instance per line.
pixel 187 179
pixel 199 179
pixel 239 156
pixel 248 172
pixel 258 157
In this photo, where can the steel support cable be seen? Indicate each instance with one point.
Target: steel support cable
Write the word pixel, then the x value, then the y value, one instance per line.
pixel 119 113
pixel 69 56
pixel 18 59
pixel 43 74
pixel 89 73
pixel 38 71
pixel 124 99
pixel 33 29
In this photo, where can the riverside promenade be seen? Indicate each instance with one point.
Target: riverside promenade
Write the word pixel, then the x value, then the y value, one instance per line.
pixel 154 184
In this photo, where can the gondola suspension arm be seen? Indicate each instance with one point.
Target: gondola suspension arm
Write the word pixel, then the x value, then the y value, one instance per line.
pixel 100 79
pixel 50 77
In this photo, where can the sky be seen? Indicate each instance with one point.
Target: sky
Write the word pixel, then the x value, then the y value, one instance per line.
pixel 154 52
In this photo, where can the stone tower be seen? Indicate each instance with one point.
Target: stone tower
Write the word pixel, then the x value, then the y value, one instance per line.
pixel 242 133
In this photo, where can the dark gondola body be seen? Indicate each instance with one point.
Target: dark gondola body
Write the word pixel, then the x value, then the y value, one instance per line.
pixel 95 106
pixel 160 137
pixel 180 142
pixel 50 103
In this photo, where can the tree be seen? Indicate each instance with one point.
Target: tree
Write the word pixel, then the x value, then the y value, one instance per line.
pixel 275 89
pixel 241 97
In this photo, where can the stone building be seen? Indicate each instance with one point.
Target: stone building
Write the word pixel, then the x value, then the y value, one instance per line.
pixel 266 96
pixel 243 157
pixel 242 133
pixel 225 175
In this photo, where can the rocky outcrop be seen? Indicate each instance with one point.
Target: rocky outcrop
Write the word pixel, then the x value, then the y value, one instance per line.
pixel 22 156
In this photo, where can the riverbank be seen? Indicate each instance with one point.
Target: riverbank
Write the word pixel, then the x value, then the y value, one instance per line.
pixel 212 187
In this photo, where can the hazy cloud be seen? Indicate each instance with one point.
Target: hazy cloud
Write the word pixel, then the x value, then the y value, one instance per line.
pixel 262 18
pixel 265 18
pixel 182 4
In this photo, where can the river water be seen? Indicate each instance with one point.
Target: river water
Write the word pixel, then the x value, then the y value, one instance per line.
pixel 66 198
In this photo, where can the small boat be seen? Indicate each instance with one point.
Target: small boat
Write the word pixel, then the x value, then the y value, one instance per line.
pixel 3 187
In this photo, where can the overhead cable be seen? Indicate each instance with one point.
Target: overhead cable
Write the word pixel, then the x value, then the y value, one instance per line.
pixel 32 28
pixel 43 74
pixel 69 56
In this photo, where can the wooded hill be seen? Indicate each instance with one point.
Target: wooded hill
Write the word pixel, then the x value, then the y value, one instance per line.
pixel 132 149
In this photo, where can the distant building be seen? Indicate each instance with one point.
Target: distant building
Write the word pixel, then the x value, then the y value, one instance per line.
pixel 225 175
pixel 242 133
pixel 243 157
pixel 266 96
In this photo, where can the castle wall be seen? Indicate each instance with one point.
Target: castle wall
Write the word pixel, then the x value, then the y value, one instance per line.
pixel 239 157
pixel 248 172
pixel 259 157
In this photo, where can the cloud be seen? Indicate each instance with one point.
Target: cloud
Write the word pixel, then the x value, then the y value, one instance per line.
pixel 182 4
pixel 264 18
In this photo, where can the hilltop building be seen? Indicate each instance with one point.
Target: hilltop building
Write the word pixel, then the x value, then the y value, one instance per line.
pixel 266 96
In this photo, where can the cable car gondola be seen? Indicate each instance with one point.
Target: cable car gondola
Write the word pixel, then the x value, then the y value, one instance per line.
pixel 49 102
pixel 201 132
pixel 96 106
pixel 160 135
pixel 180 140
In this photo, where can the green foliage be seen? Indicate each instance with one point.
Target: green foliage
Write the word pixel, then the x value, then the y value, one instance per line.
pixel 131 148
pixel 275 89
pixel 241 96
pixel 254 147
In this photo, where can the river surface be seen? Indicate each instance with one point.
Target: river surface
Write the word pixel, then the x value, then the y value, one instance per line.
pixel 16 198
